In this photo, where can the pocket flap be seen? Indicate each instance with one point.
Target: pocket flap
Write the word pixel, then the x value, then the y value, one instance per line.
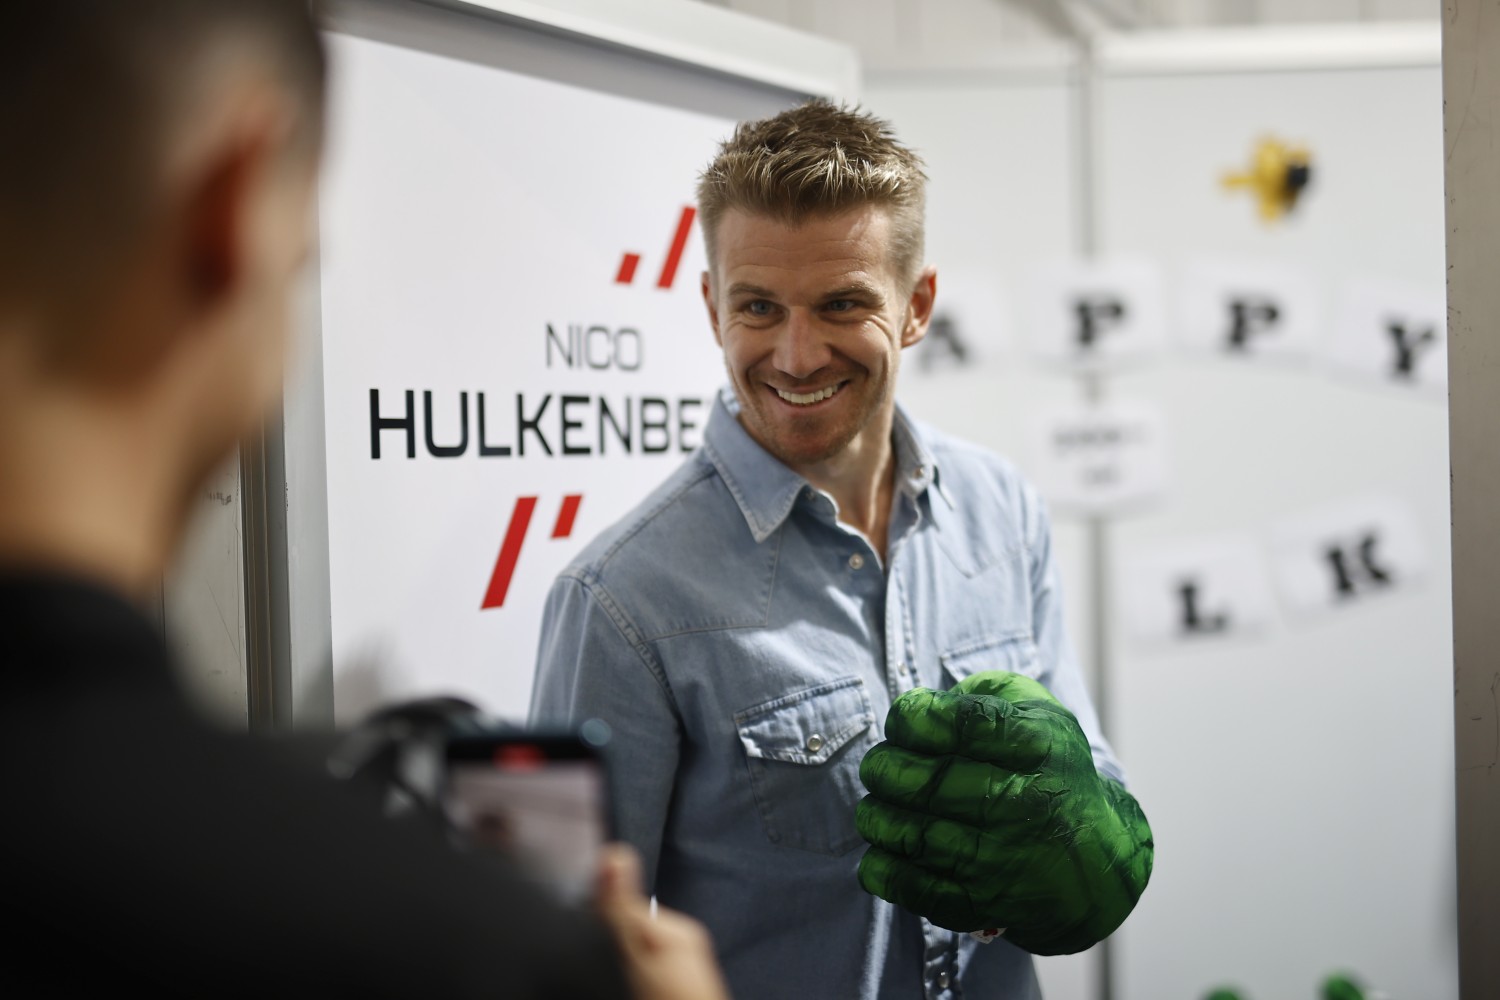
pixel 807 726
pixel 1015 652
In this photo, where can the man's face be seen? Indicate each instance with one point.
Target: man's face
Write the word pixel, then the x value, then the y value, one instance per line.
pixel 812 318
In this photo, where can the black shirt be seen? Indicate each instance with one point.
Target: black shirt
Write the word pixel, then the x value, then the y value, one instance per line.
pixel 145 851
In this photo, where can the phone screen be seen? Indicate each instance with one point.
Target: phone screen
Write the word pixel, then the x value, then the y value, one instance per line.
pixel 538 800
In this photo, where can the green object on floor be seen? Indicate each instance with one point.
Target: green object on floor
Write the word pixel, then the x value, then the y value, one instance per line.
pixel 985 811
pixel 1336 987
pixel 1342 987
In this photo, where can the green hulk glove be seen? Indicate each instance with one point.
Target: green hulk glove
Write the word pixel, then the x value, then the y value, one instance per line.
pixel 985 811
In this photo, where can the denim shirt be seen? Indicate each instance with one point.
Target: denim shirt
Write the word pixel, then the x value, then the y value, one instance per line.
pixel 745 646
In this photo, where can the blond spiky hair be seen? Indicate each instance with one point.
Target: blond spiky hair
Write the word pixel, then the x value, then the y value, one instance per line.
pixel 816 160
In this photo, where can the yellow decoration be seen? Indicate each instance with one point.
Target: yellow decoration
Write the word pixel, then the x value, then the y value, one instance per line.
pixel 1277 176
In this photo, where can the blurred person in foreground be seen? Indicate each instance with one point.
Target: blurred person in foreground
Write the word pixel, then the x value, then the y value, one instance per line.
pixel 155 210
pixel 830 597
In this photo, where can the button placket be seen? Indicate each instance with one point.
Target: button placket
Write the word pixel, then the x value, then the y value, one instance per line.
pixel 899 643
pixel 939 959
pixel 910 646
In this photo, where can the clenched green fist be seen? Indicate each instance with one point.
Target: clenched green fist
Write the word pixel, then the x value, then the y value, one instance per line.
pixel 985 811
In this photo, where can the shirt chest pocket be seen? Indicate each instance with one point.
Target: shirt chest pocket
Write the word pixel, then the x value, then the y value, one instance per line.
pixel 1015 652
pixel 803 751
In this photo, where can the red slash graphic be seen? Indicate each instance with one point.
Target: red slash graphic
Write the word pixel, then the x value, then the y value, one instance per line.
pixel 567 516
pixel 679 243
pixel 515 537
pixel 630 261
pixel 627 269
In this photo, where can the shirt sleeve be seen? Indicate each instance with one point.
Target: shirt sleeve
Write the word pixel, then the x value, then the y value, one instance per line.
pixel 591 664
pixel 1060 669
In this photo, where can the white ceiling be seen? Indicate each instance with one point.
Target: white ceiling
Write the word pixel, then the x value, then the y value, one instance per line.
pixel 910 32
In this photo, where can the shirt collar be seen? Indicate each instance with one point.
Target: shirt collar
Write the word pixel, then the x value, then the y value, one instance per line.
pixel 766 490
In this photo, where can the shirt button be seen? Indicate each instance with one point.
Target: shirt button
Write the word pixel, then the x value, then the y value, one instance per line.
pixel 943 980
pixel 814 743
pixel 902 669
pixel 856 561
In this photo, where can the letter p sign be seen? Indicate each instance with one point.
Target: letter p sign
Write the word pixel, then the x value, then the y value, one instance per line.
pixel 1095 315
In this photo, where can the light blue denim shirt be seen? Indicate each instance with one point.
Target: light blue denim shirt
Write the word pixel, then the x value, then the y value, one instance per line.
pixel 745 647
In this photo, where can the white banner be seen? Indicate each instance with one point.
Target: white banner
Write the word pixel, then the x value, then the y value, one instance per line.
pixel 1091 314
pixel 1339 555
pixel 1249 310
pixel 1099 458
pixel 515 353
pixel 1187 590
pixel 1393 333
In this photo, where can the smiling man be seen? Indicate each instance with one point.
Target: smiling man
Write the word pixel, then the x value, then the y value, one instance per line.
pixel 822 557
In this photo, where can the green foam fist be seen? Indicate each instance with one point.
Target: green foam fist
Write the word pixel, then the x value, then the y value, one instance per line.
pixel 985 811
pixel 1342 987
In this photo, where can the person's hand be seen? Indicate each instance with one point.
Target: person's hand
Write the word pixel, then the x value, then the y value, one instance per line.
pixel 668 956
pixel 985 813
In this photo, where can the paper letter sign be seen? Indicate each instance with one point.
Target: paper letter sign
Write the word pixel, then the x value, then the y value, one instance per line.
pixel 1097 459
pixel 1394 334
pixel 1093 314
pixel 1248 310
pixel 1338 556
pixel 1190 590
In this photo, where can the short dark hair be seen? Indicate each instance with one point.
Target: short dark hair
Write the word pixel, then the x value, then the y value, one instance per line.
pixel 89 96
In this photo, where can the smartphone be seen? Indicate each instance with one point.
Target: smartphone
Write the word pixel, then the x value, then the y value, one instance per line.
pixel 538 798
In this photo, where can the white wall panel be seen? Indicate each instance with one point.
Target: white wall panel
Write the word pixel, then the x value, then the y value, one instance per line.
pixel 1298 783
pixel 1297 777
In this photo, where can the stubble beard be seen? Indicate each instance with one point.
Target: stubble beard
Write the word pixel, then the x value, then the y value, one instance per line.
pixel 770 430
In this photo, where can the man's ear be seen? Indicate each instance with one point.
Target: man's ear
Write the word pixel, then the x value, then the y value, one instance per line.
pixel 198 251
pixel 220 204
pixel 713 307
pixel 919 308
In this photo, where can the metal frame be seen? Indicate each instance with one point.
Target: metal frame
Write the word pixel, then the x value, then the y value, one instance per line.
pixel 267 644
pixel 1471 92
pixel 696 34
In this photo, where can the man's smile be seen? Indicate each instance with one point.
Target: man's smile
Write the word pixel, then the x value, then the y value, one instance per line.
pixel 810 398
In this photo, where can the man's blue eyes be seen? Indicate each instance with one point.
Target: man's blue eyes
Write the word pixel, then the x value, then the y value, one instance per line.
pixel 760 307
